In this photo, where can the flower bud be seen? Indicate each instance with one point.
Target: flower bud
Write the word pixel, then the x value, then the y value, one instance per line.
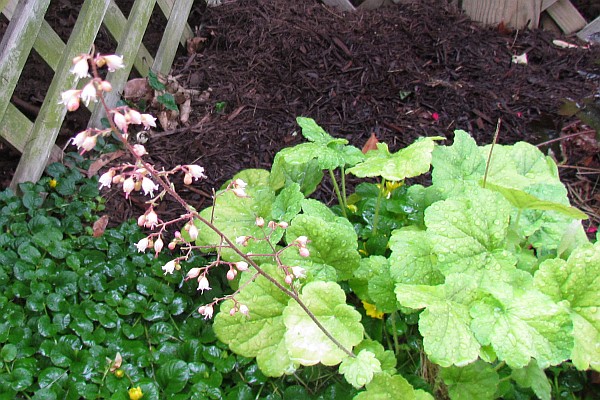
pixel 105 86
pixel 158 246
pixel 120 121
pixel 241 265
pixel 303 251
pixel 172 245
pixel 193 231
pixel 289 279
pixel 260 222
pixel 193 273
pixel 231 274
pixel 141 221
pixel 301 240
pixel 187 179
pixel 244 309
pixel 283 225
pixel 128 186
pixel 139 150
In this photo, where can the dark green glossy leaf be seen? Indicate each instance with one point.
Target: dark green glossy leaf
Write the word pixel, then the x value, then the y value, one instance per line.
pixel 8 352
pixel 172 376
pixel 132 331
pixel 156 312
pixel 160 331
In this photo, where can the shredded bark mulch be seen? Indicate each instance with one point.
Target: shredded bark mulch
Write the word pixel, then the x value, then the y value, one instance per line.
pixel 400 72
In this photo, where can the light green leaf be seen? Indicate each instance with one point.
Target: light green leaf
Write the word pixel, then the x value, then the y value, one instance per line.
pixel 519 166
pixel 305 341
pixel 521 324
pixel 315 133
pixel 523 200
pixel 546 228
pixel 236 216
pixel 409 162
pixel 412 260
pixel 330 152
pixel 478 381
pixel 389 387
pixel 468 234
pixel 261 333
pixel 458 166
pixel 359 370
pixel 308 175
pixel 332 246
pixel 532 376
pixel 575 283
pixel 445 323
pixel 387 358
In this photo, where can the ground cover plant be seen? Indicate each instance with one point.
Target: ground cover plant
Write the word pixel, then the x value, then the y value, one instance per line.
pixel 86 316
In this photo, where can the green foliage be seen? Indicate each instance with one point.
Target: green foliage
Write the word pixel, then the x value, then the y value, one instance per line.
pixel 70 302
pixel 485 275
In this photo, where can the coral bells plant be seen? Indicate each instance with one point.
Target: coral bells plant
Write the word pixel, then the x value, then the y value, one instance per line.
pixel 477 283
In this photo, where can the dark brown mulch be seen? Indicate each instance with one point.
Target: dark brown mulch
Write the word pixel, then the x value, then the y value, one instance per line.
pixel 401 72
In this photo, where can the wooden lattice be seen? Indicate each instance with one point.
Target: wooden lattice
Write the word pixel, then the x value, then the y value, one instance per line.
pixel 28 30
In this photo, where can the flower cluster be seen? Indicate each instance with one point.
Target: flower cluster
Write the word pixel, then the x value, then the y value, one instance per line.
pixel 132 178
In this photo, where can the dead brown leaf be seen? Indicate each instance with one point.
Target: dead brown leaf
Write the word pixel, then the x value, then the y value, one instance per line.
pixel 371 144
pixel 100 226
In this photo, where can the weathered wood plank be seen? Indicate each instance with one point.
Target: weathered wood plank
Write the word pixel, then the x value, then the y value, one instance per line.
pixel 343 5
pixel 174 31
pixel 16 45
pixel 45 130
pixel 166 6
pixel 516 14
pixel 116 22
pixel 15 128
pixel 566 16
pixel 15 131
pixel 129 44
pixel 48 44
pixel 547 3
pixel 591 29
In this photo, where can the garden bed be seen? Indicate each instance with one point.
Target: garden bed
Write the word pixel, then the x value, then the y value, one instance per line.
pixel 399 72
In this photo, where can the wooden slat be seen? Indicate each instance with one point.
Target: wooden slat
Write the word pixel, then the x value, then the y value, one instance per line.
pixel 15 128
pixel 129 43
pixel 45 130
pixel 343 5
pixel 590 29
pixel 566 16
pixel 16 44
pixel 167 6
pixel 177 22
pixel 116 23
pixel 547 3
pixel 516 14
pixel 15 121
pixel 47 44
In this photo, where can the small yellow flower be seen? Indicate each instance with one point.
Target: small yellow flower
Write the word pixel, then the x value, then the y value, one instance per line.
pixel 135 393
pixel 119 373
pixel 52 183
pixel 352 208
pixel 372 310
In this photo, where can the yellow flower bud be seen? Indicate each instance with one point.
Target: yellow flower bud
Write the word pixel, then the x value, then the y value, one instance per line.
pixel 135 393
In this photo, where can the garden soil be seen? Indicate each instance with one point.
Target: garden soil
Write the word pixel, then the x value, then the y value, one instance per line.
pixel 399 72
